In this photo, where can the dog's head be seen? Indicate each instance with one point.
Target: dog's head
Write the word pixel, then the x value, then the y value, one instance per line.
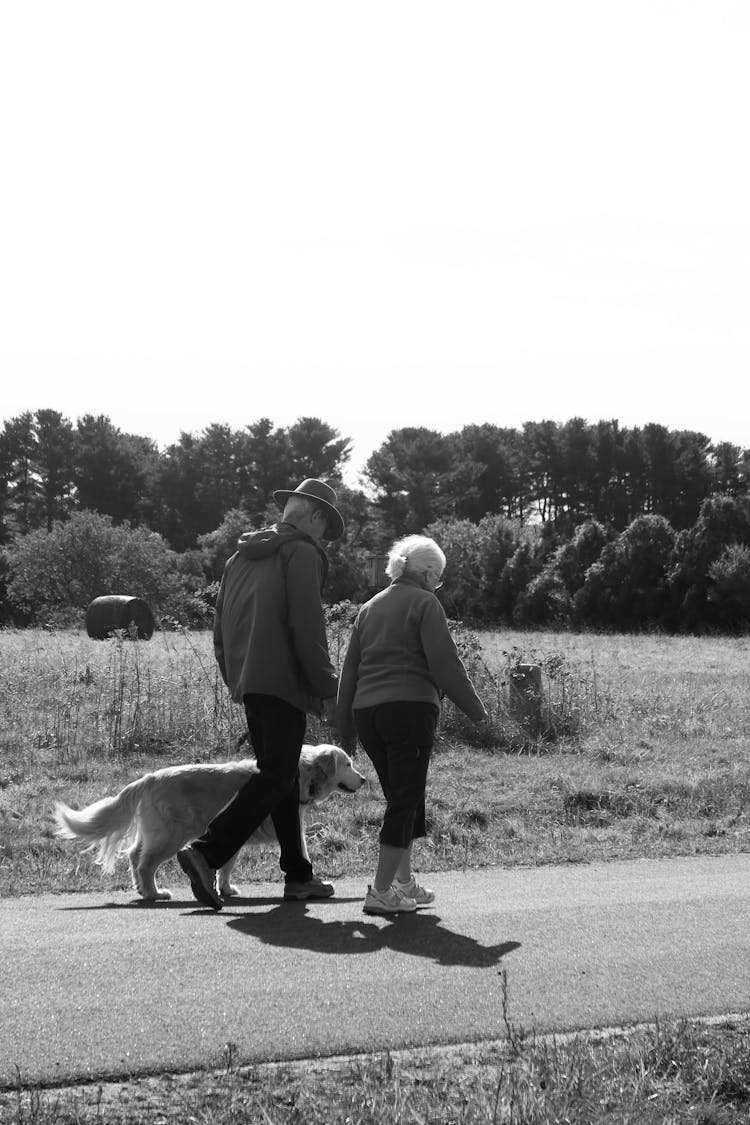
pixel 322 770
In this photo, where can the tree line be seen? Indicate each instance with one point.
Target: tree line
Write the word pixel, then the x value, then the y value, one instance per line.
pixel 562 473
pixel 566 523
pixel 50 468
pixel 545 471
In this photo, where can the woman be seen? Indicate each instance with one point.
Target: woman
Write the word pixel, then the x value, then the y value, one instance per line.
pixel 400 660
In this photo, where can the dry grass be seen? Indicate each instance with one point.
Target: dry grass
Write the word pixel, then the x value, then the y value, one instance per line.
pixel 643 752
pixel 673 1073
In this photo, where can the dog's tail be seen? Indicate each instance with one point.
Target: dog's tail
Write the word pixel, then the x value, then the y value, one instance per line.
pixel 108 823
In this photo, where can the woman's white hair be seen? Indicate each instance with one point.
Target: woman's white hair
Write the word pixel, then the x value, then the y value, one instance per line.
pixel 414 554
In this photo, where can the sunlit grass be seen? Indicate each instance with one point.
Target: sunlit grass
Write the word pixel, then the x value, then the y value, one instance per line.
pixel 676 1072
pixel 642 751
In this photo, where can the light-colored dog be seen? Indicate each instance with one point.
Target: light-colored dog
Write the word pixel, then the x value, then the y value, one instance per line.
pixel 155 816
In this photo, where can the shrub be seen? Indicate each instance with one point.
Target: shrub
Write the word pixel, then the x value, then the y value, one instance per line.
pixel 545 600
pixel 627 588
pixel 729 589
pixel 519 571
pixel 476 556
pixel 724 521
pixel 218 545
pixel 347 574
pixel 460 540
pixel 55 575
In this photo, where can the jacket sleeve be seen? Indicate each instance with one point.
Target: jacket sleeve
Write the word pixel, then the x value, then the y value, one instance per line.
pixel 445 665
pixel 304 576
pixel 348 687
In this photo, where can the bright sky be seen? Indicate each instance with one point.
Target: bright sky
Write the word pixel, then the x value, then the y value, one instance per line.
pixel 386 214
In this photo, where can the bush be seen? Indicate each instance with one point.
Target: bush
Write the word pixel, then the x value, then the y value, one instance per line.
pixel 53 576
pixel 219 545
pixel 518 573
pixel 5 610
pixel 627 588
pixel 347 574
pixel 544 601
pixel 729 589
pixel 724 522
pixel 477 556
pixel 461 541
pixel 547 599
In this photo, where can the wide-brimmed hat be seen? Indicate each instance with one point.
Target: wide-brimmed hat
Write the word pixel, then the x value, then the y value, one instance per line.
pixel 324 496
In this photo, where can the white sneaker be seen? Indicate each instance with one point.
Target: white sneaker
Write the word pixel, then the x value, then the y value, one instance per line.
pixel 389 902
pixel 423 896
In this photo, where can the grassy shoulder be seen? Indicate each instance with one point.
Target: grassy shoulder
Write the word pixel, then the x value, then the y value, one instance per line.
pixel 678 1071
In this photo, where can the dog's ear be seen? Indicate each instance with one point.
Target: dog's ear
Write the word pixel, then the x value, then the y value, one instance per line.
pixel 314 780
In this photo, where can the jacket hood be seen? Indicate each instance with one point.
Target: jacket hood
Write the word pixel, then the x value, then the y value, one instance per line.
pixel 262 544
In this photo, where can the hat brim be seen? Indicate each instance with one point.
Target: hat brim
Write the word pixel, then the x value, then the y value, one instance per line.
pixel 335 524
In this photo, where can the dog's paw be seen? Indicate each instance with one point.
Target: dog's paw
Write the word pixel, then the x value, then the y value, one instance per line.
pixel 162 895
pixel 229 891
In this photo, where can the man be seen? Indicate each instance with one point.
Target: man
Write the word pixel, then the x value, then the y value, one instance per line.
pixel 271 645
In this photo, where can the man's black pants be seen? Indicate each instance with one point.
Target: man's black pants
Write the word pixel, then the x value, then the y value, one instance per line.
pixel 277 732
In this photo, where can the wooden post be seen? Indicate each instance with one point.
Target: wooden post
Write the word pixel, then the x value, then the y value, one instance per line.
pixel 525 696
pixel 377 579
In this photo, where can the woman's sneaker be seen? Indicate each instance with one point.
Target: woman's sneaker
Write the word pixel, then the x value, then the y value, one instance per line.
pixel 387 902
pixel 423 896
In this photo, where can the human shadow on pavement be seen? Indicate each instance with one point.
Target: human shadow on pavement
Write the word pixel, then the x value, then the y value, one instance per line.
pixel 419 934
pixel 189 905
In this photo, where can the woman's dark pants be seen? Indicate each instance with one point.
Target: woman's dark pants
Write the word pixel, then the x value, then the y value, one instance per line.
pixel 398 738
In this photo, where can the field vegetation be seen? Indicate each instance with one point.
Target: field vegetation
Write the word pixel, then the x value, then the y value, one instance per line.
pixel 639 748
pixel 673 1073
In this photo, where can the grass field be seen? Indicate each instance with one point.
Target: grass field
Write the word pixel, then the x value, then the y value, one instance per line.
pixel 641 749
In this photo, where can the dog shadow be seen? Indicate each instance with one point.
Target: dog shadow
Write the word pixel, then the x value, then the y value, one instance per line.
pixel 190 906
pixel 186 905
pixel 418 934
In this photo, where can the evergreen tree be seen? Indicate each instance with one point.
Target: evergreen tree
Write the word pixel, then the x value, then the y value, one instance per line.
pixel 724 521
pixel 726 463
pixel 410 475
pixel 627 588
pixel 729 588
pixel 22 482
pixel 113 471
pixel 316 450
pixel 55 464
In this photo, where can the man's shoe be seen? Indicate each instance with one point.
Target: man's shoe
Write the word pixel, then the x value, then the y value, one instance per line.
pixel 387 902
pixel 313 888
pixel 423 896
pixel 202 877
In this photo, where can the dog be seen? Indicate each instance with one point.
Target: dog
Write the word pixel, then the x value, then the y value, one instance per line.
pixel 162 811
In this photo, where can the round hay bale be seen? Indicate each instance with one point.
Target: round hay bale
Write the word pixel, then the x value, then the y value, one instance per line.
pixel 106 615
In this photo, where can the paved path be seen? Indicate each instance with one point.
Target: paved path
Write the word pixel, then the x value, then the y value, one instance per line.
pixel 95 985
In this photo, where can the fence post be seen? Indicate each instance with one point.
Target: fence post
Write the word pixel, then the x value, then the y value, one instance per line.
pixel 375 566
pixel 525 696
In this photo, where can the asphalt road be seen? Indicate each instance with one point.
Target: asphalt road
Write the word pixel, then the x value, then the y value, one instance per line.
pixel 97 985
